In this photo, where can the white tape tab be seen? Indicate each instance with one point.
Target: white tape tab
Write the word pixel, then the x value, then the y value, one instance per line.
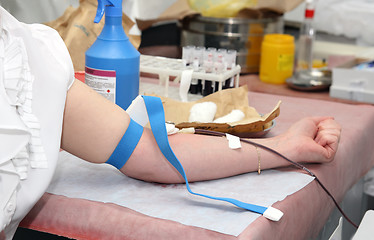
pixel 273 214
pixel 234 141
pixel 185 84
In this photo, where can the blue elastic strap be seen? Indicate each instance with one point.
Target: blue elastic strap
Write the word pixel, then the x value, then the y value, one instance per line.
pixel 127 145
pixel 157 120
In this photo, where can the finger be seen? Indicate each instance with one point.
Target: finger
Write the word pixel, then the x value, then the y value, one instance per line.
pixel 326 132
pixel 330 143
pixel 328 140
pixel 319 153
pixel 317 120
pixel 329 126
pixel 329 123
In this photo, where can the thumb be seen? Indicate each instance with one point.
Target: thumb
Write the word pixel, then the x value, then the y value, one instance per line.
pixel 319 119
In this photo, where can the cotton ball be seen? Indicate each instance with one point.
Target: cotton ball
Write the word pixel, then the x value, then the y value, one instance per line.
pixel 234 116
pixel 171 129
pixel 203 112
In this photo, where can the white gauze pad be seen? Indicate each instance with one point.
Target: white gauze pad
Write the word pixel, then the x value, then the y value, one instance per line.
pixel 203 112
pixel 234 116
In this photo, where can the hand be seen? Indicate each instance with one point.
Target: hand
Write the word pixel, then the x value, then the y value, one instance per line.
pixel 313 139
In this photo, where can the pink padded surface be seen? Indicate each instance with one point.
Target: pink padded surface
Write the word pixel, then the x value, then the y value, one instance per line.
pixel 305 211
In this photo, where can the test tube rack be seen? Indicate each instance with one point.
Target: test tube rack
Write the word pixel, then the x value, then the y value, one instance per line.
pixel 166 67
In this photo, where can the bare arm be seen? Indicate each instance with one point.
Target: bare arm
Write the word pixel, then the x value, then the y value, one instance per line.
pixel 93 126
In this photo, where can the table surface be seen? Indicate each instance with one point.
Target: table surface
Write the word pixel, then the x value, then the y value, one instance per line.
pixel 306 211
pixel 255 85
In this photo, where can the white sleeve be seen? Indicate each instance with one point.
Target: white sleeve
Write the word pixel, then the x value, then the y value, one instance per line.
pixel 52 40
pixel 13 138
pixel 35 73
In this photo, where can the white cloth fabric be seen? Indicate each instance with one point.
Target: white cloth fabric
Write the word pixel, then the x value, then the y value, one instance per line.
pixel 350 18
pixel 35 74
pixel 37 11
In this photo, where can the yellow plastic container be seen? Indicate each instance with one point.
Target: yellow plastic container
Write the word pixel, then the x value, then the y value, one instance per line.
pixel 277 58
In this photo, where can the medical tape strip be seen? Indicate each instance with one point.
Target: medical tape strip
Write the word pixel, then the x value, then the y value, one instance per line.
pixel 127 145
pixel 157 121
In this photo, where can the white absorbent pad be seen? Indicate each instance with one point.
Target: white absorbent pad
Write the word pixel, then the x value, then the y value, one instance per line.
pixel 76 178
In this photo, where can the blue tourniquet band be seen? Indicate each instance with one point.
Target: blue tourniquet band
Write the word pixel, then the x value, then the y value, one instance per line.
pixel 127 145
pixel 157 120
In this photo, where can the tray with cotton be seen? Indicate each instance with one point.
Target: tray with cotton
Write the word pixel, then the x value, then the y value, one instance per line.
pixel 226 111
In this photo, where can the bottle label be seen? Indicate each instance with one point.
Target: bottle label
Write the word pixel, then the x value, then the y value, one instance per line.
pixel 309 13
pixel 285 62
pixel 102 81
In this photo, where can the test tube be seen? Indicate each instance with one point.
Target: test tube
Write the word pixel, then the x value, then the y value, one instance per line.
pixel 209 55
pixel 187 52
pixel 207 88
pixel 209 58
pixel 231 63
pixel 220 64
pixel 231 58
pixel 199 54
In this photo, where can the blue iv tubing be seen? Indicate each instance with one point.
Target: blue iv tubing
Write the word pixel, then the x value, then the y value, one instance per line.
pixel 157 121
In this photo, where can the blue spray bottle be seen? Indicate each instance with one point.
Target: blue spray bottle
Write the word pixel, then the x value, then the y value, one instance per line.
pixel 112 62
